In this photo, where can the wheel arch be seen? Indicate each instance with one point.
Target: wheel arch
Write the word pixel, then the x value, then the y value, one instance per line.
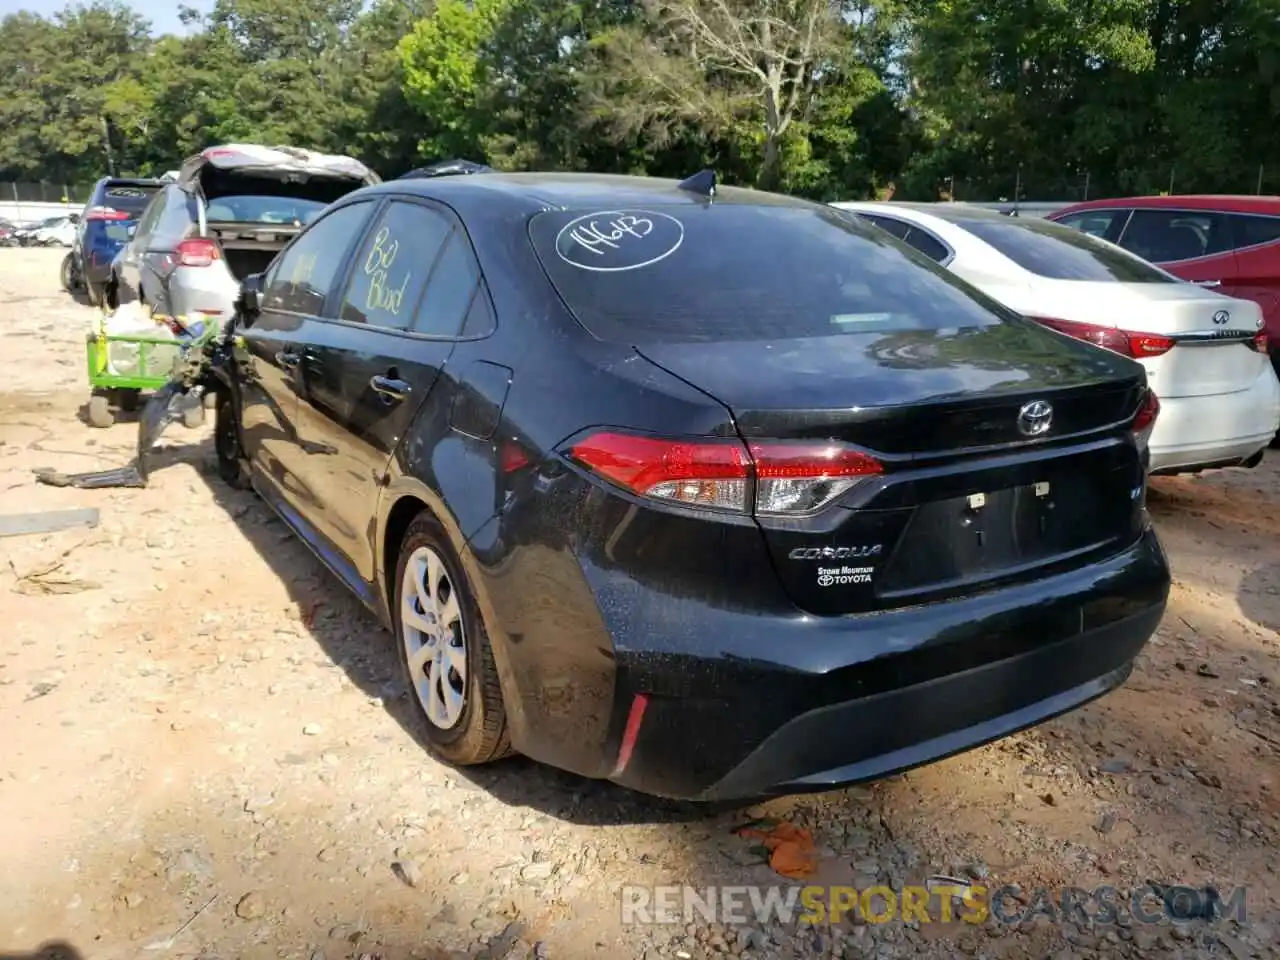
pixel 404 498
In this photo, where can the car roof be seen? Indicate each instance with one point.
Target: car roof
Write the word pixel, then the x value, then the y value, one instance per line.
pixel 1224 202
pixel 948 212
pixel 538 191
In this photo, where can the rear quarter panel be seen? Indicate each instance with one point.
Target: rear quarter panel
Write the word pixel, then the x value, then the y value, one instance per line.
pixel 1258 279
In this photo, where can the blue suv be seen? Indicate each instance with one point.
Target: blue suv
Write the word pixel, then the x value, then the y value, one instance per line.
pixel 115 204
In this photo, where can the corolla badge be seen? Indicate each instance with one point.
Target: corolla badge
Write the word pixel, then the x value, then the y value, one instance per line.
pixel 1035 418
pixel 1221 317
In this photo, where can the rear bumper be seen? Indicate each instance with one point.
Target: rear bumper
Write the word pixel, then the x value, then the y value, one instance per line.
pixel 808 703
pixel 1222 430
pixel 201 290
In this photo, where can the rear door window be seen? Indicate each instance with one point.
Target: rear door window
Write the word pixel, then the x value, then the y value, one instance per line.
pixel 1055 252
pixel 308 271
pixel 738 271
pixel 392 266
pixel 1170 236
pixel 1103 224
pixel 1249 230
pixel 454 279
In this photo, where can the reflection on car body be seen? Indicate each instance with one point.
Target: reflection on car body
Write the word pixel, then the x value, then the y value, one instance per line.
pixel 746 513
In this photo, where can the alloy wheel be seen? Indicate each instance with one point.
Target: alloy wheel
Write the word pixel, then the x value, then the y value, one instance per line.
pixel 434 638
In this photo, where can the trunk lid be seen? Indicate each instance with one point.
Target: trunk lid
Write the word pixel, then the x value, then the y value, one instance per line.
pixel 1211 333
pixel 237 169
pixel 966 501
pixel 918 393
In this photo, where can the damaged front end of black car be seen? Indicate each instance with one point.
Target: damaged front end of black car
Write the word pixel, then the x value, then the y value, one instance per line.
pixel 206 369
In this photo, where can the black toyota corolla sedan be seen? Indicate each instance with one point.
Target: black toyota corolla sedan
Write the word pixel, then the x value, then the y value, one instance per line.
pixel 710 492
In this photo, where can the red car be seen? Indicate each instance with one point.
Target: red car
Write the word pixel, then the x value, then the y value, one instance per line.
pixel 1229 243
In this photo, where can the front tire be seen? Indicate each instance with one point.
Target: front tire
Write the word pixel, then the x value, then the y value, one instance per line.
pixel 445 651
pixel 226 443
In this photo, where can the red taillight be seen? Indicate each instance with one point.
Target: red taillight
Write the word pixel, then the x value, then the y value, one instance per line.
pixel 513 458
pixel 1260 343
pixel 197 253
pixel 1145 419
pixel 106 213
pixel 772 477
pixel 1124 342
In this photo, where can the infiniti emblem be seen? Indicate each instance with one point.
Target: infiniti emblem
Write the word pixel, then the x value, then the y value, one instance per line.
pixel 1035 418
pixel 1221 317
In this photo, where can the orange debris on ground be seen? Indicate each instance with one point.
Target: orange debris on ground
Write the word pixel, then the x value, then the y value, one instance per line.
pixel 791 850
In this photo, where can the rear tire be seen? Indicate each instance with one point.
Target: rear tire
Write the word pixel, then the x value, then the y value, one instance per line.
pixel 67 273
pixel 100 415
pixel 95 293
pixel 463 718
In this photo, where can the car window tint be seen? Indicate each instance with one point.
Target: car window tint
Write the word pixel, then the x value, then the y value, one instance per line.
pixel 256 209
pixel 392 266
pixel 1096 223
pixel 889 224
pixel 450 288
pixel 151 217
pixel 1167 236
pixel 1251 230
pixel 739 271
pixel 1056 252
pixel 307 272
pixel 131 198
pixel 928 244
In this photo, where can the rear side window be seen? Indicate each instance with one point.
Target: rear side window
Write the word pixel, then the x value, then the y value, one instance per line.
pixel 889 225
pixel 728 271
pixel 1055 252
pixel 928 244
pixel 1249 231
pixel 1168 236
pixel 304 275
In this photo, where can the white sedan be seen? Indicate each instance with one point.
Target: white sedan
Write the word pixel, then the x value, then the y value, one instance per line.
pixel 1205 354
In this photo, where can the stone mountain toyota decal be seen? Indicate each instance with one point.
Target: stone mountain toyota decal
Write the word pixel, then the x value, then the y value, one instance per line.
pixel 839 575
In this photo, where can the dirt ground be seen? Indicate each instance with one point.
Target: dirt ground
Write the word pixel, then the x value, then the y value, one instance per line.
pixel 205 752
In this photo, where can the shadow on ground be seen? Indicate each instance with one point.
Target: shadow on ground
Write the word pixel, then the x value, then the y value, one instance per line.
pixel 53 950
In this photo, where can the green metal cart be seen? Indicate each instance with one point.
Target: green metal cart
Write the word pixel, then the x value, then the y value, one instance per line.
pixel 122 367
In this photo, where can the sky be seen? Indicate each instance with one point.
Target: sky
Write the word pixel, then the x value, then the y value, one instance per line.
pixel 163 14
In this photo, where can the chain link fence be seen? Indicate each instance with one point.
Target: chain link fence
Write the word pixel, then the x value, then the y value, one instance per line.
pixel 1025 184
pixel 20 192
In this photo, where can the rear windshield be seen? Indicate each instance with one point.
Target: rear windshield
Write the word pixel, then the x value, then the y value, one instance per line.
pixel 256 209
pixel 1057 252
pixel 129 197
pixel 744 272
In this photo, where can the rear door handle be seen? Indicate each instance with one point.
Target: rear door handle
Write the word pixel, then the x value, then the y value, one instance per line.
pixel 390 389
pixel 288 359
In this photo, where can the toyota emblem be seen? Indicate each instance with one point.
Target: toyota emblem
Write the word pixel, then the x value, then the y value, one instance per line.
pixel 1035 418
pixel 1221 317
